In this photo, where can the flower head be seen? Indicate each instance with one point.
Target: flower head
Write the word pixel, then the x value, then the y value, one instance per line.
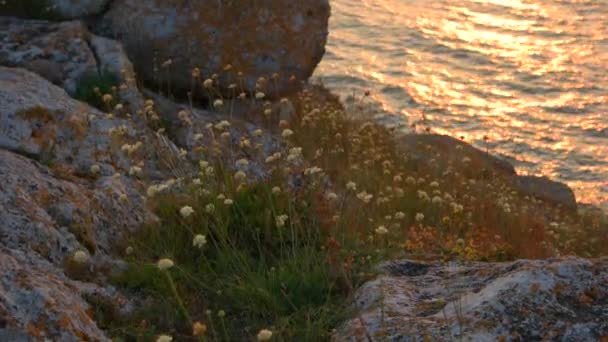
pixel 264 335
pixel 287 133
pixel 419 217
pixel 80 257
pixel 164 264
pixel 199 329
pixel 199 241
pixel 186 211
pixel 164 338
pixel 381 230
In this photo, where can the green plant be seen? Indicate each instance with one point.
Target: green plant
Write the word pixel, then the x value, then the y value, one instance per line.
pixel 99 90
pixel 39 9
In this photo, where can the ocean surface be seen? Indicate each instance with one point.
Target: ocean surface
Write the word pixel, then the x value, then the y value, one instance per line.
pixel 531 76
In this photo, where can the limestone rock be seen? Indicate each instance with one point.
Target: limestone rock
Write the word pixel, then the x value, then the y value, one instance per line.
pixel 526 300
pixel 547 190
pixel 167 39
pixel 40 120
pixel 113 58
pixel 38 302
pixel 57 51
pixel 78 8
pixel 53 9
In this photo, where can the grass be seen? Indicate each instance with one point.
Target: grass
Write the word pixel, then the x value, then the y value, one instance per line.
pixel 38 9
pixel 92 88
pixel 286 250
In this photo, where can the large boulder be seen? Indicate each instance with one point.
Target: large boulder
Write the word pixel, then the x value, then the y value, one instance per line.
pixel 42 121
pixel 52 9
pixel 58 52
pixel 526 300
pixel 167 39
pixel 69 56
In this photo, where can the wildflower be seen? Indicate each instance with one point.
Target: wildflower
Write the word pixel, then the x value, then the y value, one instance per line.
pixel 221 313
pixel 242 96
pixel 196 73
pixel 135 171
pixel 203 164
pixel 273 157
pixel 280 220
pixel 276 190
pixel 199 329
pixel 186 211
pixel 95 169
pixel 164 338
pixel 268 112
pixel 437 200
pixel 287 133
pixel 259 95
pixel 410 180
pixel 381 230
pixel 129 250
pixel 228 201
pixel 107 98
pixel 419 217
pixel 242 162
pixel 257 133
pixel 457 208
pixel 399 215
pixel 210 208
pixel 208 83
pixel 240 176
pixel 312 170
pixel 365 197
pixel 423 195
pixel 199 241
pixel 197 181
pixel 164 264
pixel 80 257
pixel 434 184
pixel 218 103
pixel 225 135
pixel 351 186
pixel 332 196
pixel 264 335
pixel 397 179
pixel 466 160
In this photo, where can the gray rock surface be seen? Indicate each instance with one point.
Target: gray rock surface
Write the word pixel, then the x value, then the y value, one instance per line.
pixel 72 9
pixel 67 53
pixel 484 164
pixel 526 300
pixel 38 302
pixel 167 39
pixel 53 204
pixel 58 52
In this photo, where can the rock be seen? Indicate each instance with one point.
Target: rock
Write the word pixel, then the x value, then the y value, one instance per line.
pixel 53 217
pixel 71 9
pixel 484 165
pixel 556 299
pixel 53 9
pixel 56 51
pixel 112 58
pixel 41 121
pixel 166 40
pixel 547 190
pixel 67 55
pixel 37 302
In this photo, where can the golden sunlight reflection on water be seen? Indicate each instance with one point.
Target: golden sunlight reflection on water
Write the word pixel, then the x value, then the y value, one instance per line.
pixel 530 74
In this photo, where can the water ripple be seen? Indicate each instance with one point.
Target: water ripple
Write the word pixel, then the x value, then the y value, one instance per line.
pixel 530 74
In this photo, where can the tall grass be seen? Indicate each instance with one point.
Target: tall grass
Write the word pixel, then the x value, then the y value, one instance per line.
pixel 283 248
